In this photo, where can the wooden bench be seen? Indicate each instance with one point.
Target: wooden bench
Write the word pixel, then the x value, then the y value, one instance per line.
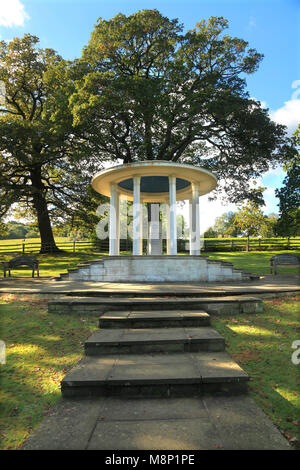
pixel 22 262
pixel 283 260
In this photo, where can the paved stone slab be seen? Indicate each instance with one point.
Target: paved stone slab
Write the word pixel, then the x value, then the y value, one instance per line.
pixel 135 424
pixel 157 374
pixel 215 305
pixel 216 367
pixel 68 426
pixel 152 334
pixel 47 285
pixel 150 319
pixel 151 300
pixel 110 341
pixel 192 434
pixel 241 424
pixel 138 374
pixel 133 409
pixel 90 370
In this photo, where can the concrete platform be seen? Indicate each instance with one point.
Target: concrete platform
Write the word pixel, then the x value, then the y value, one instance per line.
pixel 195 423
pixel 50 288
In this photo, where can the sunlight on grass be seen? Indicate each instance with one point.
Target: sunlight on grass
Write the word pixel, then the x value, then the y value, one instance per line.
pixel 261 345
pixel 23 350
pixel 288 395
pixel 251 330
pixel 49 338
pixel 37 360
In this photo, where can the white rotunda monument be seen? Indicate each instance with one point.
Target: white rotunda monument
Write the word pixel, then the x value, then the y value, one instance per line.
pixel 161 182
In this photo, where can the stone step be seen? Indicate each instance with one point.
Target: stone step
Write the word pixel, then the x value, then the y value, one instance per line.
pixel 213 305
pixel 153 340
pixel 155 375
pixel 150 319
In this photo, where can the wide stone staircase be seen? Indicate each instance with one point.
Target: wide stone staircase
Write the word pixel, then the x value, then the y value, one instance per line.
pixel 155 353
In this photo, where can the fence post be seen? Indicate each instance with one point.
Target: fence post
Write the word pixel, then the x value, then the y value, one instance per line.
pixel 23 248
pixel 74 248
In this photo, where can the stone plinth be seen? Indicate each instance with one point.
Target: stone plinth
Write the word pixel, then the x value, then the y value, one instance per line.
pixel 157 269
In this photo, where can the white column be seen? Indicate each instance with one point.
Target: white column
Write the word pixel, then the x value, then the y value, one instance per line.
pixel 168 227
pixel 141 226
pixel 114 221
pixel 136 216
pixel 194 221
pixel 173 227
pixel 118 222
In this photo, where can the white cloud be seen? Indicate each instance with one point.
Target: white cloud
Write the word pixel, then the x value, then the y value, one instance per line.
pixel 262 103
pixel 289 115
pixel 12 13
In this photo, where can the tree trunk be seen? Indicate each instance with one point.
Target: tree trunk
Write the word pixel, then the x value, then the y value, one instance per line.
pixel 48 244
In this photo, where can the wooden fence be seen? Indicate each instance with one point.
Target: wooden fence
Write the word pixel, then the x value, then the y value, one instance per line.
pixel 209 244
pixel 255 244
pixel 73 246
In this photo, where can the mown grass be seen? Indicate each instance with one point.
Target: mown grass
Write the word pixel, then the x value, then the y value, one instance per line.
pixel 19 241
pixel 54 264
pixel 262 345
pixel 256 262
pixel 42 347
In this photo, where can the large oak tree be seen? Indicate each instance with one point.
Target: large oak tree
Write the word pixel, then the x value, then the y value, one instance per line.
pixel 150 91
pixel 45 161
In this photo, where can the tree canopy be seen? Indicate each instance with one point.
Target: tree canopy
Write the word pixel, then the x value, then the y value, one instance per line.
pixel 289 195
pixel 44 160
pixel 249 220
pixel 143 90
pixel 150 91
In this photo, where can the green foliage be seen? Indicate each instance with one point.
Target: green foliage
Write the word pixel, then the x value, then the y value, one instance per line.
pixel 249 219
pixel 224 225
pixel 268 228
pixel 210 233
pixel 289 196
pixel 13 230
pixel 44 160
pixel 149 91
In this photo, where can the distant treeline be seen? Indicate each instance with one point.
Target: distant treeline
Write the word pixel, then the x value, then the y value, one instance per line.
pixel 17 230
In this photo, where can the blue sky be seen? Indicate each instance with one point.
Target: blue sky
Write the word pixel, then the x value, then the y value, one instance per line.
pixel 270 26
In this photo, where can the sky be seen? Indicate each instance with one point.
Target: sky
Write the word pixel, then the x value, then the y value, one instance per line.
pixel 270 26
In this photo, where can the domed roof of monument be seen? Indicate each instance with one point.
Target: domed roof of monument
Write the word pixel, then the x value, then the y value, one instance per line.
pixel 154 180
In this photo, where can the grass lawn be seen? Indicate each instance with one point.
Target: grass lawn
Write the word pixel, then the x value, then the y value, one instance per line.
pixel 41 347
pixel 261 345
pixel 255 262
pixel 52 265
